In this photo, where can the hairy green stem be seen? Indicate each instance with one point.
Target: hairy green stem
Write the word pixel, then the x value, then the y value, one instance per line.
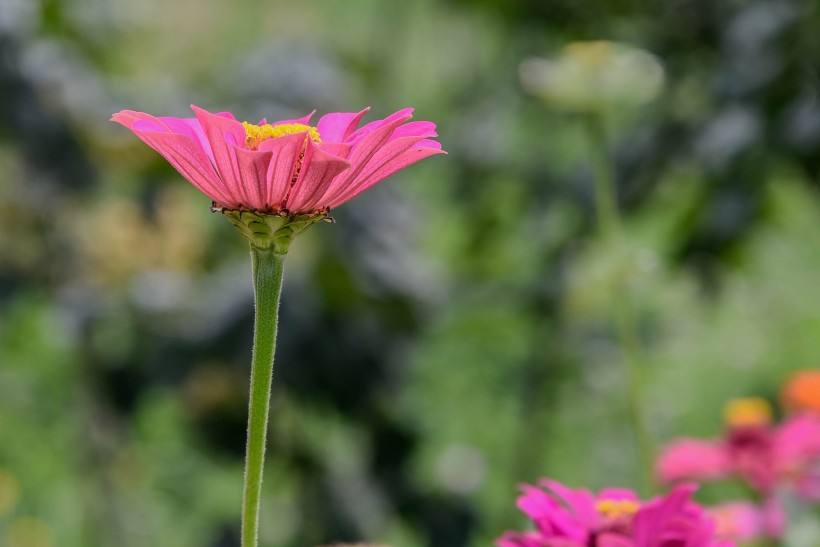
pixel 609 224
pixel 267 282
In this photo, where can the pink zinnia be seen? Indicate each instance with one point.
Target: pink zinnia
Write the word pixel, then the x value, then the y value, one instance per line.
pixel 564 517
pixel 796 454
pixel 764 454
pixel 287 167
pixel 685 459
pixel 744 521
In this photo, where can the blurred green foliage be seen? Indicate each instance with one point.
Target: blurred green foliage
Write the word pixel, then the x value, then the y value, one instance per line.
pixel 450 336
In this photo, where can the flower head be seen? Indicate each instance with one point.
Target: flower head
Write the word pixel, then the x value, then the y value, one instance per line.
pixel 763 453
pixel 565 517
pixel 687 459
pixel 593 76
pixel 802 391
pixel 288 167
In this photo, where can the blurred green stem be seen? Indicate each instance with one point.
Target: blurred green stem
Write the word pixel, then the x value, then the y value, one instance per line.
pixel 267 282
pixel 609 225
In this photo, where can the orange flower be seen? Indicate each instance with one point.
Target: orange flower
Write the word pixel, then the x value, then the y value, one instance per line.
pixel 802 391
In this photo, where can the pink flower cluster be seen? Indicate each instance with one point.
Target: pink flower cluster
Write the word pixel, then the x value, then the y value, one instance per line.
pixel 565 517
pixel 771 458
pixel 766 456
pixel 286 167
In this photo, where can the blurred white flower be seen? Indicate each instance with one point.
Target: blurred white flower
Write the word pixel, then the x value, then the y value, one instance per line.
pixel 594 76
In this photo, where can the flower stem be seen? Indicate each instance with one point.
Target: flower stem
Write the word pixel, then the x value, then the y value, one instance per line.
pixel 267 283
pixel 609 225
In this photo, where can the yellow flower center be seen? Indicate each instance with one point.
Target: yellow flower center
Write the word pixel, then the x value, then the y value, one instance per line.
pixel 256 134
pixel 614 509
pixel 752 411
pixel 593 54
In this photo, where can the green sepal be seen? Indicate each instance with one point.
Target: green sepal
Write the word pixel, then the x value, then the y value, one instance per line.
pixel 270 230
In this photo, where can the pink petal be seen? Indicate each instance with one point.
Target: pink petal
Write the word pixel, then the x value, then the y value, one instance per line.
pixel 617 494
pixel 201 138
pixel 359 157
pixel 338 126
pixel 403 114
pixel 191 162
pixel 692 459
pixel 180 126
pixel 129 117
pixel 397 164
pixel 337 149
pixel 428 143
pixel 317 172
pixel 285 151
pixel 653 518
pixel 550 517
pixel 223 135
pixel 252 169
pixel 614 540
pixel 415 129
pixel 581 502
pixel 386 153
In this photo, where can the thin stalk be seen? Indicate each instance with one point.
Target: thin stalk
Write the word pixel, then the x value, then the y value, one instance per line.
pixel 609 225
pixel 267 283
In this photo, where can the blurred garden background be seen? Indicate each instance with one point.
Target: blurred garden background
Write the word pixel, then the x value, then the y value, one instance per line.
pixel 451 335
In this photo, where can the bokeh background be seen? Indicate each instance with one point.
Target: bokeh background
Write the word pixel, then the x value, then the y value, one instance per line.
pixel 451 335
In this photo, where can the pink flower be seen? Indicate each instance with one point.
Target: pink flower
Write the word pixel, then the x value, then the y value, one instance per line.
pixel 743 521
pixel 564 517
pixel 751 452
pixel 796 453
pixel 765 455
pixel 686 459
pixel 287 167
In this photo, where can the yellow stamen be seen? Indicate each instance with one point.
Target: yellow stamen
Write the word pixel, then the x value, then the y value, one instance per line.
pixel 617 508
pixel 752 411
pixel 256 134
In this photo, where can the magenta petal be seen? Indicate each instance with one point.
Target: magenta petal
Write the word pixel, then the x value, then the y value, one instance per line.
pixel 415 129
pixel 359 157
pixel 317 172
pixel 384 155
pixel 338 149
pixel 285 153
pixel 403 114
pixel 550 517
pixel 151 126
pixel 337 127
pixel 581 502
pixel 397 164
pixel 428 143
pixel 692 459
pixel 223 135
pixel 617 494
pixel 252 169
pixel 129 117
pixel 191 162
pixel 180 126
pixel 655 517
pixel 614 540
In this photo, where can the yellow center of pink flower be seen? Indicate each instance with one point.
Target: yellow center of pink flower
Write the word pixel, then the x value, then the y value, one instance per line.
pixel 614 509
pixel 752 411
pixel 256 134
